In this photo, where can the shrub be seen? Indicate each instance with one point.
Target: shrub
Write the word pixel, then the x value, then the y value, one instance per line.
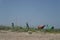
pixel 30 32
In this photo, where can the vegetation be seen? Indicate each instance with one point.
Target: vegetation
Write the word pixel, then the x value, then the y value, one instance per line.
pixel 5 27
pixel 25 29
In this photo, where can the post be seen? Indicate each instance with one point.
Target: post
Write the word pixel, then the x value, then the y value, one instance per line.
pixel 27 26
pixel 12 25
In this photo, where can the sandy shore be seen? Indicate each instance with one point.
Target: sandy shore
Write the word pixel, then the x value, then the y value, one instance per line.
pixel 7 35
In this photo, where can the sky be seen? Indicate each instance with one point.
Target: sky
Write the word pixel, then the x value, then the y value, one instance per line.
pixel 35 12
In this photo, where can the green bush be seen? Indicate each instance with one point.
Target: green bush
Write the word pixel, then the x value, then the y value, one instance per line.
pixel 5 27
pixel 22 29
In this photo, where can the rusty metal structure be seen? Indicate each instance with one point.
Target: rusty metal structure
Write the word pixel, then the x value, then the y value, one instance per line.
pixel 41 26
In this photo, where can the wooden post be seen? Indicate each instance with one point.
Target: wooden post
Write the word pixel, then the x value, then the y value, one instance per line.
pixel 12 25
pixel 27 26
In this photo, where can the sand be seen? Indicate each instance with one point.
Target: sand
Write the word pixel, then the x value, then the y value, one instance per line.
pixel 7 35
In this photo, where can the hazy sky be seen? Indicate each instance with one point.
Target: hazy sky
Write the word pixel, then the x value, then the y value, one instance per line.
pixel 34 12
